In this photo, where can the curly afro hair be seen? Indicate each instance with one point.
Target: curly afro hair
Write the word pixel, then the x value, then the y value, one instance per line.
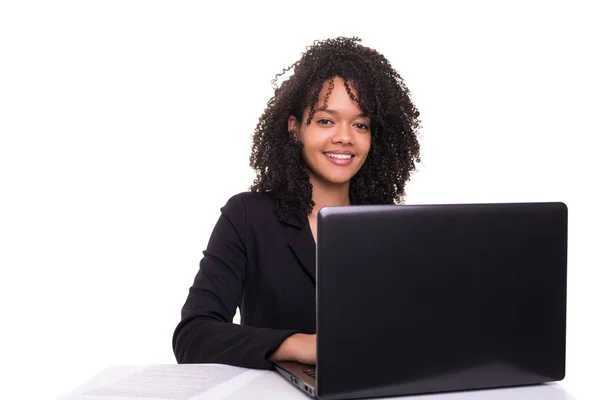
pixel 381 94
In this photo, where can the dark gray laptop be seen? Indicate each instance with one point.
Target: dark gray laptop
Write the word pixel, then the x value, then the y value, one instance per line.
pixel 419 299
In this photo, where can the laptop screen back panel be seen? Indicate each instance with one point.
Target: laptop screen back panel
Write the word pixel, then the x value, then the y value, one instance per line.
pixel 423 299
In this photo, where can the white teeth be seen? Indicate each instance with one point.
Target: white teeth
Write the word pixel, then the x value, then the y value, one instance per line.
pixel 339 156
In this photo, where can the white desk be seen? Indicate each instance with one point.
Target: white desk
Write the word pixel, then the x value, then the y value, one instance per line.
pixel 203 382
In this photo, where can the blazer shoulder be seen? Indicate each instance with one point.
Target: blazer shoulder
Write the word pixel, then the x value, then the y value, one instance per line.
pixel 251 200
pixel 249 205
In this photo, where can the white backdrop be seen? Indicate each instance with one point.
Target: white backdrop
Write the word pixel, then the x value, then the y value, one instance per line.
pixel 126 125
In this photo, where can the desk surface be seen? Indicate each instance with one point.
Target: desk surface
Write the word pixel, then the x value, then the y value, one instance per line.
pixel 213 381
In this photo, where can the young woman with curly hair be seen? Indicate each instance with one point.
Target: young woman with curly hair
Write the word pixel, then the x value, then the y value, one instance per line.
pixel 342 130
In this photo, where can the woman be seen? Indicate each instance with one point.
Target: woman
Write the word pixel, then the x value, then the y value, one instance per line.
pixel 342 130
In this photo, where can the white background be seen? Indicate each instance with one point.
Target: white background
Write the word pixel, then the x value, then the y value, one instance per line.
pixel 126 125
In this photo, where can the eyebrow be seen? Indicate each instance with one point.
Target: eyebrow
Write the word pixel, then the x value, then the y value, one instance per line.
pixel 336 113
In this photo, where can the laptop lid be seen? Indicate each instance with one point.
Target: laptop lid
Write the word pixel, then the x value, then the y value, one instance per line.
pixel 428 298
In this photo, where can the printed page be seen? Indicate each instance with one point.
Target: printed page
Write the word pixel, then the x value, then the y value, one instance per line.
pixel 166 382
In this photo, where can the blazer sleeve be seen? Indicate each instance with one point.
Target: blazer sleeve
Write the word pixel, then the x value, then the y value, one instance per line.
pixel 206 333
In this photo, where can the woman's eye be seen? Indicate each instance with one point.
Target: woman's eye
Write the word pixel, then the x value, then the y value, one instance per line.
pixel 324 122
pixel 363 127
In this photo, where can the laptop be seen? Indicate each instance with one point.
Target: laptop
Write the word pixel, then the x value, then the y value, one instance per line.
pixel 417 299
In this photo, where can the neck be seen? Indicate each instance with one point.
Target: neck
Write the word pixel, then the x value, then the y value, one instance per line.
pixel 324 194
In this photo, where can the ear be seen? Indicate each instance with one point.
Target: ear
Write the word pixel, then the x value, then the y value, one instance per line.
pixel 293 126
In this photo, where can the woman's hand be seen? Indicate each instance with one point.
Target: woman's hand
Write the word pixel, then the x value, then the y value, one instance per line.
pixel 299 347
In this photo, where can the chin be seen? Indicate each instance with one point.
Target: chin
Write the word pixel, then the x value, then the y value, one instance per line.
pixel 336 179
pixel 329 176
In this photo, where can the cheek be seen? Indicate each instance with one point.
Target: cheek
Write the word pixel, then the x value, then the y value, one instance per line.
pixel 366 144
pixel 312 142
pixel 309 150
pixel 310 155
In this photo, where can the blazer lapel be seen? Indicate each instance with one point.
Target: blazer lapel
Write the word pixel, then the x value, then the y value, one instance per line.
pixel 304 248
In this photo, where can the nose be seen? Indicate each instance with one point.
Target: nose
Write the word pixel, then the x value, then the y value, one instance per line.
pixel 343 134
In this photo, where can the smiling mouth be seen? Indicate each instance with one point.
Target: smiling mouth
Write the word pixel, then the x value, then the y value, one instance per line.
pixel 339 156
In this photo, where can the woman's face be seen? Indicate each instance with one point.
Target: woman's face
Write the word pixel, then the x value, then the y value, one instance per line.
pixel 338 139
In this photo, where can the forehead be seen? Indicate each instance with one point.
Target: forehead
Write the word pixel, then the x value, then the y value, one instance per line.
pixel 336 91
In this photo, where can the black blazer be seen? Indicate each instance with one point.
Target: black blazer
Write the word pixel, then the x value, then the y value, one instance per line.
pixel 264 266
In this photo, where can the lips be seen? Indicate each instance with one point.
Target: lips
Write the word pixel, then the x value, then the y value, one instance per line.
pixel 339 154
pixel 341 158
